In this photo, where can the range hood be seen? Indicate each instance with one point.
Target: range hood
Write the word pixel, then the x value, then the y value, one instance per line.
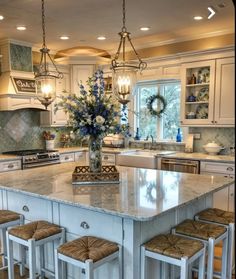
pixel 17 86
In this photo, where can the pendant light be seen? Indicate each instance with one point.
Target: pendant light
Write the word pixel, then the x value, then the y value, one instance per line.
pixel 45 78
pixel 124 72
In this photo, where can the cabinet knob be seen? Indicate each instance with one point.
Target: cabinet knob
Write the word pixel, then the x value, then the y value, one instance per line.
pixel 10 166
pixel 229 169
pixel 105 158
pixel 231 195
pixel 215 121
pixel 84 225
pixel 212 121
pixel 67 158
pixel 25 208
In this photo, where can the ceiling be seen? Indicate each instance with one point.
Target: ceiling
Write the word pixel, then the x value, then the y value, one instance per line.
pixel 84 20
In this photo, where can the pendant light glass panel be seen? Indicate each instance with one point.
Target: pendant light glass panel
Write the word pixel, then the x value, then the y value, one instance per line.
pixel 46 89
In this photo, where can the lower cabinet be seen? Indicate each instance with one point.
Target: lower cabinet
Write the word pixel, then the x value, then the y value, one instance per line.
pixel 67 157
pixel 224 198
pixel 10 165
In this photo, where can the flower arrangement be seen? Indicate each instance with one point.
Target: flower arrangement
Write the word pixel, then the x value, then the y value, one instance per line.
pixel 93 113
pixel 47 135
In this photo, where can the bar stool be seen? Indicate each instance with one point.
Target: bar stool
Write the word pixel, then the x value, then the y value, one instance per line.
pixel 32 235
pixel 8 219
pixel 225 218
pixel 174 250
pixel 210 234
pixel 88 253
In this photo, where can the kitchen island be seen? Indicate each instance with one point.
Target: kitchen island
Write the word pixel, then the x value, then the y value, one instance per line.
pixel 146 202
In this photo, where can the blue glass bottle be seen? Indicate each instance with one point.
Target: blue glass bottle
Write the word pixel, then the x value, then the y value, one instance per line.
pixel 178 136
pixel 137 136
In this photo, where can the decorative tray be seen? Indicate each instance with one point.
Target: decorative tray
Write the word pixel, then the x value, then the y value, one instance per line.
pixel 83 176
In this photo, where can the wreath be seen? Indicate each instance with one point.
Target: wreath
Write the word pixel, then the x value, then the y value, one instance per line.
pixel 159 111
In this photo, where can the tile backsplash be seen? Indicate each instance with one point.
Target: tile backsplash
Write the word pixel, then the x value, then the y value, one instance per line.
pixel 21 129
pixel 223 136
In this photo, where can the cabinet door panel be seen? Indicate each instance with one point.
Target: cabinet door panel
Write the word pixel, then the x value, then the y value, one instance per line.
pixel 225 92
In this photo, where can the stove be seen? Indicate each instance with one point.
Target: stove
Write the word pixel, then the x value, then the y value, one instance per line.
pixel 36 157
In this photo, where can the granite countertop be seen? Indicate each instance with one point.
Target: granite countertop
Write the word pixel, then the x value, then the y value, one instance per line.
pixel 141 195
pixel 203 157
pixel 113 150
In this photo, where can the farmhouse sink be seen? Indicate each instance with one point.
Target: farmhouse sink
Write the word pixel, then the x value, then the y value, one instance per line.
pixel 141 158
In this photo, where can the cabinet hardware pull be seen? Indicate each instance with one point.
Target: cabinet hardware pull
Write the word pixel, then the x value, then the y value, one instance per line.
pixel 67 158
pixel 25 208
pixel 215 121
pixel 84 225
pixel 212 121
pixel 231 194
pixel 229 169
pixel 10 166
pixel 105 158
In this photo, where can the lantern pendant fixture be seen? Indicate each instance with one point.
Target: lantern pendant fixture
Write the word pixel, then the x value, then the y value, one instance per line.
pixel 45 79
pixel 124 73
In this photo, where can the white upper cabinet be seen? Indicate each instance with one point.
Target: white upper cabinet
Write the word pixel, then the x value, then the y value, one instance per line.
pixel 225 92
pixel 51 118
pixel 197 99
pixel 208 89
pixel 80 73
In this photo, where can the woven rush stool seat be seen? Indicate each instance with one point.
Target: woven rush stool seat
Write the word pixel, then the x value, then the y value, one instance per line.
pixel 8 219
pixel 211 234
pixel 87 252
pixel 32 235
pixel 226 218
pixel 175 250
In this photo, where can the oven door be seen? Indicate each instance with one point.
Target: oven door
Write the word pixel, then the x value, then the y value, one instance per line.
pixel 178 165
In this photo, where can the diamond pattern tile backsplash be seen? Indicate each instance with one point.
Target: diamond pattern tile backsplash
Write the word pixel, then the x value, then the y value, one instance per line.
pixel 223 136
pixel 21 129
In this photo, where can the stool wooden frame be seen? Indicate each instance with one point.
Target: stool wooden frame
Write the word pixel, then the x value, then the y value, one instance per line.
pixel 3 229
pixel 31 244
pixel 210 245
pixel 184 263
pixel 230 249
pixel 88 265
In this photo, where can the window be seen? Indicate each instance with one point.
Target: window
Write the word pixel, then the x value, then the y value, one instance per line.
pixel 164 128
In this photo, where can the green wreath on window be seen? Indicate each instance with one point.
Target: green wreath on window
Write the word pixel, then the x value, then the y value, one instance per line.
pixel 156 112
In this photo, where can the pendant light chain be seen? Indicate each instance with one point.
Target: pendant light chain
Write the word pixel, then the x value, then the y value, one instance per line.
pixel 43 25
pixel 124 17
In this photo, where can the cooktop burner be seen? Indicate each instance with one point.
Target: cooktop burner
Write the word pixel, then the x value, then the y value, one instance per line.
pixel 28 152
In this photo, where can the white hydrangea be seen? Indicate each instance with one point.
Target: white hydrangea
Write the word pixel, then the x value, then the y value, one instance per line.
pixel 100 120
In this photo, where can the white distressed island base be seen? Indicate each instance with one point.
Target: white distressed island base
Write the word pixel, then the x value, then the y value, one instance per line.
pixel 145 203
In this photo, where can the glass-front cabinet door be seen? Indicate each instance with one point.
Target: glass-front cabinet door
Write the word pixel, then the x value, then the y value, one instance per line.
pixel 197 96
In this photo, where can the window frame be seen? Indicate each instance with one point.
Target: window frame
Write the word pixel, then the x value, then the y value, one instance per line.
pixel 135 104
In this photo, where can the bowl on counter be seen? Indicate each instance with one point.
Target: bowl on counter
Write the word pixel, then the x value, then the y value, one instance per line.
pixel 212 148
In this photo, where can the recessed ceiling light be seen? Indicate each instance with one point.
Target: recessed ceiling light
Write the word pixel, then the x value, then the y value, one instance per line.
pixel 1 17
pixel 198 18
pixel 64 38
pixel 21 28
pixel 101 38
pixel 145 28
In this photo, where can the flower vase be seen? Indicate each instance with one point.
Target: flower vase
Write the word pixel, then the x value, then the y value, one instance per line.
pixel 95 154
pixel 49 144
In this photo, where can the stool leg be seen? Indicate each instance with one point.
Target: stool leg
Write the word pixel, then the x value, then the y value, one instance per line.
pixel 4 247
pixel 89 269
pixel 32 260
pixel 224 262
pixel 120 259
pixel 10 257
pixel 184 268
pixel 42 261
pixel 230 249
pixel 57 264
pixel 201 267
pixel 63 264
pixel 210 261
pixel 164 270
pixel 143 263
pixel 22 259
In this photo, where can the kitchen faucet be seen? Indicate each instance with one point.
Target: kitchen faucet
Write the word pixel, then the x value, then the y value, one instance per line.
pixel 151 136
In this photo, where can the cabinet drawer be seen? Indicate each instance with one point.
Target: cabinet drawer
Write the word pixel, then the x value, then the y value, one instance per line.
pixel 67 157
pixel 223 168
pixel 32 208
pixel 109 158
pixel 10 165
pixel 80 157
pixel 88 222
